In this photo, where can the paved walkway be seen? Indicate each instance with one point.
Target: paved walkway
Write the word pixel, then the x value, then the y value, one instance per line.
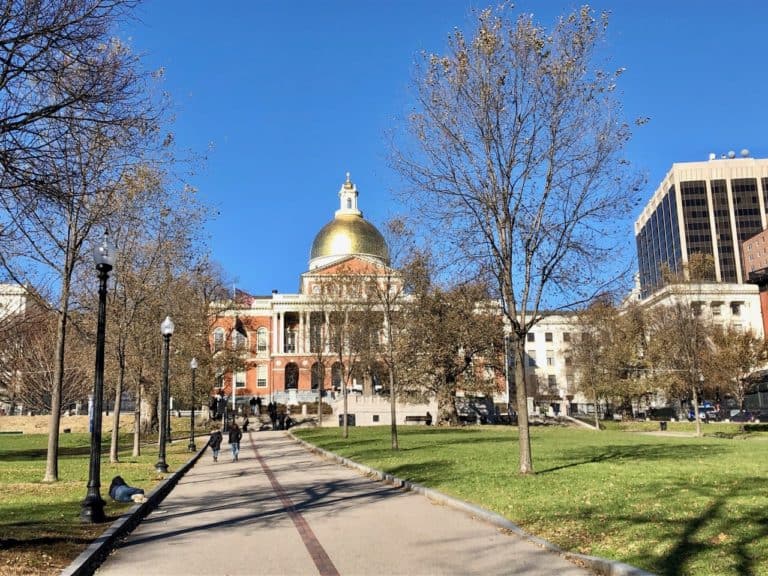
pixel 282 510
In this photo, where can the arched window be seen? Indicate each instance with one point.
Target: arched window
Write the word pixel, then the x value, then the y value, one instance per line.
pixel 336 375
pixel 318 375
pixel 261 337
pixel 349 203
pixel 291 376
pixel 239 340
pixel 218 339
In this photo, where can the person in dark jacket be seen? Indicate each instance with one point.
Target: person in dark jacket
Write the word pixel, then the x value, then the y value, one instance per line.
pixel 235 435
pixel 121 492
pixel 215 443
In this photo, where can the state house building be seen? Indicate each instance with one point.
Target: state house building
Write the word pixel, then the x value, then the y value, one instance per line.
pixel 277 335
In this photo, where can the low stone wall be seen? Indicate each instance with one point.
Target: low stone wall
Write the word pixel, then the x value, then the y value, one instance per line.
pixel 376 411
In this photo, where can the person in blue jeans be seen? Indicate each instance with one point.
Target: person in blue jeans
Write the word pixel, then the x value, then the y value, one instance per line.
pixel 234 440
pixel 120 491
pixel 215 443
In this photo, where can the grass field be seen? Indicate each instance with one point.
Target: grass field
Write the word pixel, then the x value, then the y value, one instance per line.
pixel 40 530
pixel 671 505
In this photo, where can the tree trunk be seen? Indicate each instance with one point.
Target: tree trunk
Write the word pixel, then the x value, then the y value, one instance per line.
pixel 393 409
pixel 597 411
pixel 524 437
pixel 149 422
pixel 696 410
pixel 113 448
pixel 52 458
pixel 446 408
pixel 137 421
pixel 344 396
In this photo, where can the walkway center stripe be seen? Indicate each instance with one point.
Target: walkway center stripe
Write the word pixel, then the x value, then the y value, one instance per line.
pixel 316 551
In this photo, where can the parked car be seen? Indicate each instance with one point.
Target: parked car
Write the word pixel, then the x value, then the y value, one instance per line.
pixel 706 413
pixel 743 416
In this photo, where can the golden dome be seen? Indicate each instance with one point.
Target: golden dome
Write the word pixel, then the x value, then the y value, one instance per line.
pixel 349 234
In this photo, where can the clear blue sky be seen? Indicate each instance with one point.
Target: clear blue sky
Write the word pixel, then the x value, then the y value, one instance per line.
pixel 285 97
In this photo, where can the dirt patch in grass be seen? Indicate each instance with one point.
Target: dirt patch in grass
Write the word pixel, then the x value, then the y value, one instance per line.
pixel 45 553
pixel 39 424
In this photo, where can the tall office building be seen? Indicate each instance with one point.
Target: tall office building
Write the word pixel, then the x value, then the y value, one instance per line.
pixel 707 207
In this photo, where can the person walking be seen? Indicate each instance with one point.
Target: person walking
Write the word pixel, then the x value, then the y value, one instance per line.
pixel 234 440
pixel 215 443
pixel 258 405
pixel 272 409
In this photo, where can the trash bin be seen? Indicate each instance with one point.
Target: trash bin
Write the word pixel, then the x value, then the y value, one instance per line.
pixel 662 425
pixel 350 419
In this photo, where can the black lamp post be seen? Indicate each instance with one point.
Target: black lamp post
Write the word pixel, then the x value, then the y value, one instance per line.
pixel 92 508
pixel 191 446
pixel 166 329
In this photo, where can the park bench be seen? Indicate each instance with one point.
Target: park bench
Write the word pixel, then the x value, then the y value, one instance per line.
pixel 413 419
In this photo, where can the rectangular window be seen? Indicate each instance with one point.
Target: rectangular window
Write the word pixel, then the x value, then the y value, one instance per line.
pixel 218 340
pixel 532 358
pixel 531 337
pixel 548 336
pixel 239 379
pixel 261 376
pixel 219 379
pixel 736 308
pixel 262 340
pixel 715 309
pixel 550 358
pixel 552 381
pixel 566 336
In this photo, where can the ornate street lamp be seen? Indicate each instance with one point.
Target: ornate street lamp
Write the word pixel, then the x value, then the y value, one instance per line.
pixel 166 329
pixel 191 446
pixel 92 508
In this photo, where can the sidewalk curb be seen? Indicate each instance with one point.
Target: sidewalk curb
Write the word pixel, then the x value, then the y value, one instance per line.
pixel 601 566
pixel 92 557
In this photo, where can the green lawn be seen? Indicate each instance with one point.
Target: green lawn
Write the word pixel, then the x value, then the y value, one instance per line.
pixel 40 529
pixel 670 505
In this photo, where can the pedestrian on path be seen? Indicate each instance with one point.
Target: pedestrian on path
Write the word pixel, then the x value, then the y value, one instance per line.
pixel 215 443
pixel 234 440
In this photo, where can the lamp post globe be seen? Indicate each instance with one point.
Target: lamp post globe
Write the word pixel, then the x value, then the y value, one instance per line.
pixel 92 507
pixel 166 329
pixel 191 446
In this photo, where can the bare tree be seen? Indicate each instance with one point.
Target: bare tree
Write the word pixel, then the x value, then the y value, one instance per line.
pixel 388 290
pixel 735 355
pixel 517 168
pixel 453 343
pixel 74 116
pixel 607 353
pixel 680 336
pixel 156 232
pixel 61 73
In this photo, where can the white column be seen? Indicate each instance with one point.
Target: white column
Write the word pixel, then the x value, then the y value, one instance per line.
pixel 300 335
pixel 281 333
pixel 274 332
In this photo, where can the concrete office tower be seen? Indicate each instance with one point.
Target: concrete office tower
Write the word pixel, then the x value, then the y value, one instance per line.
pixel 707 207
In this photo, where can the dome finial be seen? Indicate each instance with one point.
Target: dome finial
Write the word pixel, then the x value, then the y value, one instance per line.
pixel 348 180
